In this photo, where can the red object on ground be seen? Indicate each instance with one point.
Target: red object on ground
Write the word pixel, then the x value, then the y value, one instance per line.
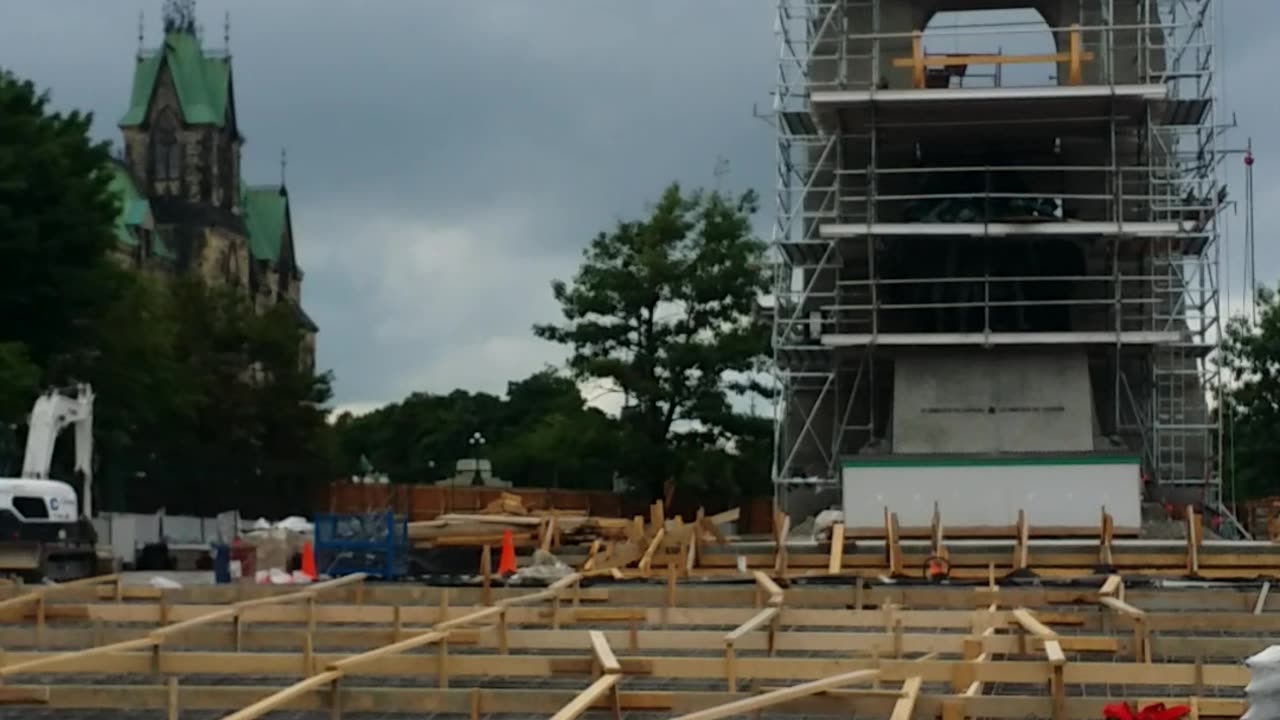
pixel 1158 711
pixel 247 555
pixel 507 561
pixel 309 561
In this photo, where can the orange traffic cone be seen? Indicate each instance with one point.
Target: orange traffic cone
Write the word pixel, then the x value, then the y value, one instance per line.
pixel 309 561
pixel 507 561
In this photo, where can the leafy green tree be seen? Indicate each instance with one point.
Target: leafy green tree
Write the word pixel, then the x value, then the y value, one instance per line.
pixel 662 308
pixel 540 435
pixel 1251 361
pixel 56 224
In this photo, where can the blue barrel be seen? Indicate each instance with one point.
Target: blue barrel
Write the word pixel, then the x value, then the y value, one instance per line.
pixel 221 563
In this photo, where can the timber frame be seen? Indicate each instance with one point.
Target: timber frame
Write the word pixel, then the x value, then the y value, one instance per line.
pixel 762 644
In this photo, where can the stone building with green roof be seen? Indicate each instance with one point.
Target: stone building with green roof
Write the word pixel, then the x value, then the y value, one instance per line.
pixel 185 208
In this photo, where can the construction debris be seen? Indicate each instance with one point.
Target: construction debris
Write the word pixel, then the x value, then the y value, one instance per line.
pixel 544 570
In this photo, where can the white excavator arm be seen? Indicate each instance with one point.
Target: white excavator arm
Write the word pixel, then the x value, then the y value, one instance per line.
pixel 51 414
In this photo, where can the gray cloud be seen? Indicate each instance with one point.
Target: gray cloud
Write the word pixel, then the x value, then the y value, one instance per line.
pixel 447 159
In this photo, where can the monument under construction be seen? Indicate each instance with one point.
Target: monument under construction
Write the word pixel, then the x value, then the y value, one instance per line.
pixel 997 280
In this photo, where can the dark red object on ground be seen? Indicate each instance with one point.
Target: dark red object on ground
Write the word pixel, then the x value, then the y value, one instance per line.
pixel 1121 711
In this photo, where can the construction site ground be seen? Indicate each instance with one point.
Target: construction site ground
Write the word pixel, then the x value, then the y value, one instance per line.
pixel 116 647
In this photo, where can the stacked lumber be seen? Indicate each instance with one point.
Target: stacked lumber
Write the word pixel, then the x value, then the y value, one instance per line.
pixel 671 544
pixel 458 529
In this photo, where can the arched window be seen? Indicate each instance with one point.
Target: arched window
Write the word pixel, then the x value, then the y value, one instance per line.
pixel 1021 32
pixel 166 151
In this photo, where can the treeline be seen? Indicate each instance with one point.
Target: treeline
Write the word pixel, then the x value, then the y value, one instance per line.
pixel 541 434
pixel 202 403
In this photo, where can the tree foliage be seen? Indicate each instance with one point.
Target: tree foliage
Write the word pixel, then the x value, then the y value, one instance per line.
pixel 662 309
pixel 541 434
pixel 1251 361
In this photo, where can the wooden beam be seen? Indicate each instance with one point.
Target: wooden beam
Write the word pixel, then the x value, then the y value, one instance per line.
pixel 1053 652
pixel 50 661
pixel 587 698
pixel 1121 607
pixel 837 549
pixel 769 587
pixel 777 697
pixel 646 560
pixel 604 654
pixel 906 705
pixel 1105 555
pixel 754 623
pixel 1112 586
pixel 285 696
pixel 1030 624
pixel 349 664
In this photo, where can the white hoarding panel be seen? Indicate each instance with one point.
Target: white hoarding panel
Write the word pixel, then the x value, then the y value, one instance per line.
pixel 978 493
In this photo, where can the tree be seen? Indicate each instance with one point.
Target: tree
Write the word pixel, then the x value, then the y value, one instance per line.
pixel 662 308
pixel 57 216
pixel 541 434
pixel 1251 362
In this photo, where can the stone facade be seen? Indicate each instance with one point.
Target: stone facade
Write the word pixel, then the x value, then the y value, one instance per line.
pixel 187 210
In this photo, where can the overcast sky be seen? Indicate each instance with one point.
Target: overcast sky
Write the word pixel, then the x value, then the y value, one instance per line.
pixel 449 158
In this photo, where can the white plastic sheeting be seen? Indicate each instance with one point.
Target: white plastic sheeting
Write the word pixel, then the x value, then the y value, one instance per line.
pixel 1263 690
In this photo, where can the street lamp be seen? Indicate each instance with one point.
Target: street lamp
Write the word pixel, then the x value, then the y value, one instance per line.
pixel 476 441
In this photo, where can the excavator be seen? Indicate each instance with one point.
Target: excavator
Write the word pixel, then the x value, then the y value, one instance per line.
pixel 44 532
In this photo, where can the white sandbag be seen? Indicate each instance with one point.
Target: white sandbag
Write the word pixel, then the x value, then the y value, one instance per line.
pixel 165 583
pixel 823 523
pixel 1264 684
pixel 1267 659
pixel 1266 709
pixel 296 524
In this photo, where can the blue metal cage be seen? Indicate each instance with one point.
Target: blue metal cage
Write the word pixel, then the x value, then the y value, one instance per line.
pixel 373 543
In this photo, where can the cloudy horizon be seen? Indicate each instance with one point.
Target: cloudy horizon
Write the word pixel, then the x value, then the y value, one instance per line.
pixel 447 160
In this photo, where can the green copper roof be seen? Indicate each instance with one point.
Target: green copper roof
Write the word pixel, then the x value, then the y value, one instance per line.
pixel 203 83
pixel 134 209
pixel 265 215
pixel 133 206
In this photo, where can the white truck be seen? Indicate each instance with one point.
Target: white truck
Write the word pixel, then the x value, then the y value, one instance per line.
pixel 44 531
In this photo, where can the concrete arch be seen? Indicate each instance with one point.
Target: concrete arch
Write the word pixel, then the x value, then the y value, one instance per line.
pixel 1032 34
pixel 1116 57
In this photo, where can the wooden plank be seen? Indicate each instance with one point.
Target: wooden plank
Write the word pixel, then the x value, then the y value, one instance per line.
pixel 423 701
pixel 837 549
pixel 24 695
pixel 1053 652
pixel 769 587
pixel 906 705
pixel 587 698
pixel 754 623
pixel 1121 607
pixel 604 653
pixel 728 516
pixel 285 696
pixel 1112 585
pixel 1030 624
pixel 349 664
pixel 948 60
pixel 51 661
pixel 777 697
pixel 646 560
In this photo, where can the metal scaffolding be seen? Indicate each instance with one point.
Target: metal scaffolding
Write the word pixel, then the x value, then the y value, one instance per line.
pixel 918 210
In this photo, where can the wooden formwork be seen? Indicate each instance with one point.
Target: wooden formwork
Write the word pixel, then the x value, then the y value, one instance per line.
pixel 761 645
